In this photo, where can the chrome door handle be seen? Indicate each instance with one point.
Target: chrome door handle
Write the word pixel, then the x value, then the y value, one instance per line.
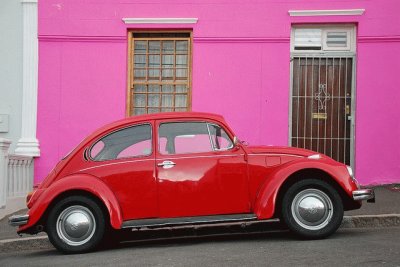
pixel 166 164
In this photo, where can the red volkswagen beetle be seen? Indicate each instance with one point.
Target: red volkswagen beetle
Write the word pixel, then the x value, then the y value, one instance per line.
pixel 171 169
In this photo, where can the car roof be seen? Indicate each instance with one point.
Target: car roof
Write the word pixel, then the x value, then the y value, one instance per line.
pixel 172 115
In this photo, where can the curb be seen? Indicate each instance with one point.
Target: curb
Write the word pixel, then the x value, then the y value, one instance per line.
pixel 360 221
pixel 365 221
pixel 26 243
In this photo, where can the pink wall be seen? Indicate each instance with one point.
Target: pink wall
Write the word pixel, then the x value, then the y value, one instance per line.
pixel 240 69
pixel 378 116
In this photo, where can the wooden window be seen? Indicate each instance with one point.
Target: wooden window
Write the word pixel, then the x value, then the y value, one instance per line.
pixel 159 72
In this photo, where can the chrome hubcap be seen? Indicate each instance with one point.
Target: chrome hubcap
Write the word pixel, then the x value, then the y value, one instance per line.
pixel 312 209
pixel 76 225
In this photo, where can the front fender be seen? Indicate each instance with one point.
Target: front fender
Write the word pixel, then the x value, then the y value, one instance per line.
pixel 265 203
pixel 82 182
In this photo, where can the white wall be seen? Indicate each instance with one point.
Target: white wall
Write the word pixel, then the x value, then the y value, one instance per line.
pixel 11 67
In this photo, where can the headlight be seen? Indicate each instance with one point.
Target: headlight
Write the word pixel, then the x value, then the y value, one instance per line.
pixel 350 170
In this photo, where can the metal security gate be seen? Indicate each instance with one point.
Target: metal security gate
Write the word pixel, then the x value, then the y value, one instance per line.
pixel 322 105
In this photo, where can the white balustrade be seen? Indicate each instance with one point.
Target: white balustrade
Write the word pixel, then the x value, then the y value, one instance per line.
pixel 16 174
pixel 20 175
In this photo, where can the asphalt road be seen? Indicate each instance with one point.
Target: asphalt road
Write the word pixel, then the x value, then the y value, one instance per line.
pixel 348 247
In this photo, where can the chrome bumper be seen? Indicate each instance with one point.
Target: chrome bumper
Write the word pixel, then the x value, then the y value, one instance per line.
pixel 17 220
pixel 364 194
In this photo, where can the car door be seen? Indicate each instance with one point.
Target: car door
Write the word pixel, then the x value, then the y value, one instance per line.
pixel 196 175
pixel 125 160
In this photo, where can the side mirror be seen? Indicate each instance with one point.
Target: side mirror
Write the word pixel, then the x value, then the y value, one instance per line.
pixel 235 141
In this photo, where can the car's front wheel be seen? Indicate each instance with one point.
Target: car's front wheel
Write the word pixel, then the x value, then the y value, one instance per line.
pixel 312 209
pixel 76 224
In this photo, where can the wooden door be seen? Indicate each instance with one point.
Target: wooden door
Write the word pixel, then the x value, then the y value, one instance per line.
pixel 322 105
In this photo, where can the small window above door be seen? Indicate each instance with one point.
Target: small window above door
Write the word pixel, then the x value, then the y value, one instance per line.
pixel 317 38
pixel 307 39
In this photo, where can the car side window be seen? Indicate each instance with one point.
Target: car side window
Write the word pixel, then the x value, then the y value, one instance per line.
pixel 184 137
pixel 219 138
pixel 129 142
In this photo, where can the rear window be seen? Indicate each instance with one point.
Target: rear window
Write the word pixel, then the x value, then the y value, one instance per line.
pixel 126 143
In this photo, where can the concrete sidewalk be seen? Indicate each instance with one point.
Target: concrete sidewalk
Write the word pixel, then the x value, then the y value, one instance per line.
pixel 384 213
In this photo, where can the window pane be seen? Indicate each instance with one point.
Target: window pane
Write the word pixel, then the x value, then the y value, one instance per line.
pixel 181 88
pixel 96 149
pixel 153 110
pixel 185 137
pixel 182 46
pixel 140 61
pixel 139 111
pixel 140 47
pixel 167 61
pixel 140 88
pixel 167 109
pixel 154 88
pixel 154 61
pixel 181 60
pixel 180 101
pixel 162 145
pixel 140 73
pixel 167 74
pixel 304 38
pixel 153 100
pixel 168 47
pixel 180 109
pixel 140 100
pixel 130 142
pixel 167 88
pixel 336 39
pixel 154 74
pixel 139 149
pixel 219 137
pixel 181 73
pixel 154 46
pixel 167 100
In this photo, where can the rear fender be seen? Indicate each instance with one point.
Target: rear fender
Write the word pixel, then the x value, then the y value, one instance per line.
pixel 82 182
pixel 265 204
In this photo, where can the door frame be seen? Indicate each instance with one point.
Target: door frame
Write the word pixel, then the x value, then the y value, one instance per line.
pixel 353 93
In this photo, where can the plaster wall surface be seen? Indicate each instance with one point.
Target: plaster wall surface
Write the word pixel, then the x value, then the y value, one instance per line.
pixel 11 67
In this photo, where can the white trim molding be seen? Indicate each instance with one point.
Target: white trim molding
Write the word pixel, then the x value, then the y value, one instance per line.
pixel 28 144
pixel 160 20
pixel 332 12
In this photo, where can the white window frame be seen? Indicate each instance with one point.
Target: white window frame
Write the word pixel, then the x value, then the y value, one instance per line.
pixel 349 29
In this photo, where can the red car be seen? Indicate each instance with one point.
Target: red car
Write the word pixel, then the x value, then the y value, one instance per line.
pixel 171 169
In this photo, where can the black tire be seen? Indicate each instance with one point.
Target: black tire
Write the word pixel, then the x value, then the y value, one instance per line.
pixel 69 225
pixel 312 209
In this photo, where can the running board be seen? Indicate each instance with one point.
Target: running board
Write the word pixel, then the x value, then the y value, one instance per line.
pixel 164 222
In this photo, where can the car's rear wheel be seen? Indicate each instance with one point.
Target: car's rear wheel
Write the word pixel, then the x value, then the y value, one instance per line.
pixel 312 209
pixel 76 224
